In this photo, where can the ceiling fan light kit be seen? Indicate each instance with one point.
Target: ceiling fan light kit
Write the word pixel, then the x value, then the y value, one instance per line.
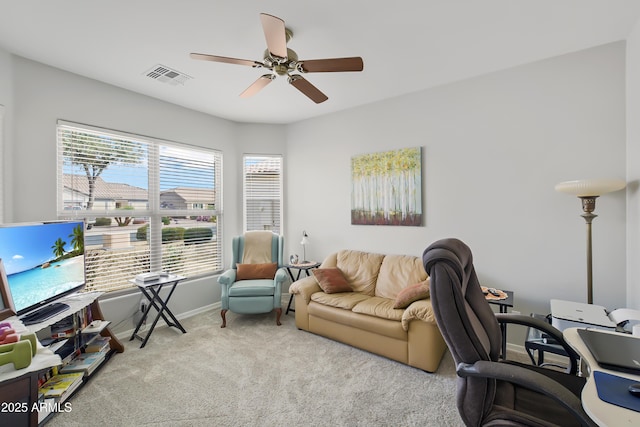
pixel 282 61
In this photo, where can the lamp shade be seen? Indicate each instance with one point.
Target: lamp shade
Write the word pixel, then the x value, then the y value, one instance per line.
pixel 590 187
pixel 305 238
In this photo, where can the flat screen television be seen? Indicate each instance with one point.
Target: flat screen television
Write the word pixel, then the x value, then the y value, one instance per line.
pixel 43 262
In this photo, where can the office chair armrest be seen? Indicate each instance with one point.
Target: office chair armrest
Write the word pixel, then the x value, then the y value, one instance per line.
pixel 529 379
pixel 547 329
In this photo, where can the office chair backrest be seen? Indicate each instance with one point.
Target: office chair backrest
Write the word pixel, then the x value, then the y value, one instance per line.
pixel 467 323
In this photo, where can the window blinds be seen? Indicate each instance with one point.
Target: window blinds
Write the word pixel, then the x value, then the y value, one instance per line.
pixel 150 205
pixel 262 192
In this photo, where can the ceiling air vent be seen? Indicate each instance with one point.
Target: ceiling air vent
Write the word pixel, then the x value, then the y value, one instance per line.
pixel 165 74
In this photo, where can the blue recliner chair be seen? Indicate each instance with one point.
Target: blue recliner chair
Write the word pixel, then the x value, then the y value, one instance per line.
pixel 251 292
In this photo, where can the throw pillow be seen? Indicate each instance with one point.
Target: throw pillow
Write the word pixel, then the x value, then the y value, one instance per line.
pixel 412 293
pixel 256 271
pixel 331 280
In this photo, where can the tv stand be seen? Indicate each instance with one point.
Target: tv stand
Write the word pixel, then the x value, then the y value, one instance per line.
pixel 44 313
pixel 22 389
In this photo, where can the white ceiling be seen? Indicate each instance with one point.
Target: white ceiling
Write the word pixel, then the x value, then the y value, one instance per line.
pixel 407 45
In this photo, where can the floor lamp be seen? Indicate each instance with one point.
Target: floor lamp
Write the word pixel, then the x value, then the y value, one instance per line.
pixel 588 190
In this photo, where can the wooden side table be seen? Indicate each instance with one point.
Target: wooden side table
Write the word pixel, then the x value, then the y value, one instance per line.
pixel 306 267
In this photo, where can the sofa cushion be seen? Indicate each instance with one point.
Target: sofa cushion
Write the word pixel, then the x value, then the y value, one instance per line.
pixel 375 325
pixel 378 307
pixel 346 300
pixel 256 271
pixel 251 288
pixel 397 272
pixel 412 293
pixel 331 280
pixel 360 269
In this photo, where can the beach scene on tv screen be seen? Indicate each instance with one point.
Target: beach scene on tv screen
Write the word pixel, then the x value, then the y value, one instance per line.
pixel 42 260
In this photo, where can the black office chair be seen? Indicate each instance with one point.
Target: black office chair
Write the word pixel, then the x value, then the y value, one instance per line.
pixel 489 391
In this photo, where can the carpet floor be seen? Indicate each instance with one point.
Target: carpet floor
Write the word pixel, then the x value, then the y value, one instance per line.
pixel 254 373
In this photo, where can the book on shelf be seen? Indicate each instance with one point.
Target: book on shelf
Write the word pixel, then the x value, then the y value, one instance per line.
pixel 64 328
pixel 63 334
pixel 85 363
pixel 97 344
pixel 61 386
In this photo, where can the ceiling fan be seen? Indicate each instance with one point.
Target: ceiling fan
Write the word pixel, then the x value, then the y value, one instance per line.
pixel 282 61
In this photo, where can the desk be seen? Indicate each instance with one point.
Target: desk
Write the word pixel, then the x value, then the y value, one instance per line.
pixel 151 290
pixel 603 413
pixel 300 267
pixel 503 304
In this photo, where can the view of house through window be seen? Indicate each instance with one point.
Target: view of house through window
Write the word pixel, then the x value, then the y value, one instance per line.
pixel 149 204
pixel 262 192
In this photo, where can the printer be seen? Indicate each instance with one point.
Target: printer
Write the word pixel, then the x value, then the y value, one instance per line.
pixel 570 314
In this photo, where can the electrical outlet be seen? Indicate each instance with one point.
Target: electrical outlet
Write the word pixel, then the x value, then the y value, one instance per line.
pixel 143 305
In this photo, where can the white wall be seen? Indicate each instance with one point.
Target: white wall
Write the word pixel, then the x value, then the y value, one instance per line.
pixel 6 100
pixel 493 149
pixel 633 168
pixel 252 139
pixel 44 94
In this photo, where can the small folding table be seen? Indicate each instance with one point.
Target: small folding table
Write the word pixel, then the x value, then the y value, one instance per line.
pixel 151 290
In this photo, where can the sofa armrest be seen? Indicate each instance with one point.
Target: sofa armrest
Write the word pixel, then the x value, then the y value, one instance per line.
pixel 228 277
pixel 418 310
pixel 305 288
pixel 281 275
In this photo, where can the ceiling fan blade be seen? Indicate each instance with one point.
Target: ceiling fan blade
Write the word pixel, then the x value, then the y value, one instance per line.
pixel 307 88
pixel 226 60
pixel 331 65
pixel 275 33
pixel 257 86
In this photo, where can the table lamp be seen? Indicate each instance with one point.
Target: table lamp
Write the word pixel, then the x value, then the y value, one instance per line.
pixel 304 242
pixel 588 190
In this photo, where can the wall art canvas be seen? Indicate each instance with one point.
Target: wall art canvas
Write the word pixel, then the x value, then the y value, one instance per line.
pixel 386 188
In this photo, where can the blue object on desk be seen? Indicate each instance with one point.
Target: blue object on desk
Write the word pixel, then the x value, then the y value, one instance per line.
pixel 615 390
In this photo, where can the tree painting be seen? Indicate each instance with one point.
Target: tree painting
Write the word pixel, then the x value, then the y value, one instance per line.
pixel 387 188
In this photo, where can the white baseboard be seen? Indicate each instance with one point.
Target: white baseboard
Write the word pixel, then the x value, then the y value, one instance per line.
pixel 126 335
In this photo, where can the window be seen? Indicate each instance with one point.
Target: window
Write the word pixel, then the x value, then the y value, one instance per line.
pixel 262 192
pixel 149 204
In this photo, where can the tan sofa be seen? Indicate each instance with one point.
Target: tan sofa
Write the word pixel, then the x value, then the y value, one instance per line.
pixel 365 317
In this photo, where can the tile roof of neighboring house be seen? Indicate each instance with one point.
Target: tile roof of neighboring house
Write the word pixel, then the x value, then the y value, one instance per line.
pixel 105 190
pixel 268 166
pixel 192 194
